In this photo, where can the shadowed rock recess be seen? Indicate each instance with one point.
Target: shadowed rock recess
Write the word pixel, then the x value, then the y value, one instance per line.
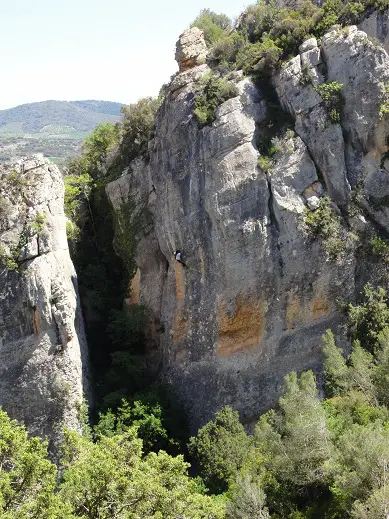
pixel 259 291
pixel 43 353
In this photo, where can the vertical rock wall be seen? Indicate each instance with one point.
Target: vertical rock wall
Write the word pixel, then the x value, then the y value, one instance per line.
pixel 43 351
pixel 258 293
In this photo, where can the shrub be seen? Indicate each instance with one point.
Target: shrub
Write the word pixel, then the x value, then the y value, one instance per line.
pixel 326 224
pixel 215 26
pixel 384 107
pixel 379 248
pixel 7 259
pixel 221 448
pixel 330 93
pixel 226 49
pixel 263 56
pixel 215 92
pixel 369 318
pixel 265 162
pixel 138 123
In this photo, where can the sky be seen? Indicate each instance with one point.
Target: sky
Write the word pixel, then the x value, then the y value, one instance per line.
pixel 112 50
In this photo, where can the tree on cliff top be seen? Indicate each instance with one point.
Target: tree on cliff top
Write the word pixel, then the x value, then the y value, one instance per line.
pixel 214 25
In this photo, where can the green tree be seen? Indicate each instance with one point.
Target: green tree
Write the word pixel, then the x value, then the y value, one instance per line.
pixel 248 500
pixel 296 445
pixel 221 448
pixel 138 121
pixel 369 318
pixel 109 479
pixel 146 417
pixel 361 463
pixel 27 478
pixel 214 25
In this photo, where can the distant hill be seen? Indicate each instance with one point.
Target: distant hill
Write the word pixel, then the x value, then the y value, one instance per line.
pixel 54 128
pixel 58 117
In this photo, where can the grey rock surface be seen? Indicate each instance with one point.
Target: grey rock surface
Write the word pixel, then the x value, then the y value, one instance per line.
pixel 191 49
pixel 43 351
pixel 258 292
pixel 376 25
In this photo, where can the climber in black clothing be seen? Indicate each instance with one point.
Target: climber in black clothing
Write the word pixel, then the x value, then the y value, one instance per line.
pixel 177 254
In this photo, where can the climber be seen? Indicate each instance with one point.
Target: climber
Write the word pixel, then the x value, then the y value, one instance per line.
pixel 177 254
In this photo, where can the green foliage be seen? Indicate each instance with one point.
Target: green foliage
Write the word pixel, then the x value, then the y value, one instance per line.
pixel 265 162
pixel 146 417
pixel 215 26
pixel 369 318
pixel 262 56
pixel 221 449
pixel 295 442
pixel 214 92
pixel 335 367
pixel 378 248
pixel 110 478
pixel 224 52
pixel 326 224
pixel 137 124
pixel 27 477
pixel 248 500
pixel 7 259
pixel 384 107
pixel 330 93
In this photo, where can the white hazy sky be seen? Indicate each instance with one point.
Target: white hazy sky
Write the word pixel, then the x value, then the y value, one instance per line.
pixel 116 50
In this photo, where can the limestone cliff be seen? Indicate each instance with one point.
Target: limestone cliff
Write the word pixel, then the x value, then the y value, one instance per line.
pixel 42 346
pixel 259 292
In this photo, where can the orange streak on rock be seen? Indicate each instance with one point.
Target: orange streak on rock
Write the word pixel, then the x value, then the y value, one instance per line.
pixel 300 313
pixel 135 289
pixel 180 326
pixel 244 329
pixel 180 281
pixel 36 322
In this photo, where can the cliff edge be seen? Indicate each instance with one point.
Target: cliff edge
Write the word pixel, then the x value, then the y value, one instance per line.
pixel 43 351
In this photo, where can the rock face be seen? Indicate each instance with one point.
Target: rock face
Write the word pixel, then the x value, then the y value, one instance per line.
pixel 376 25
pixel 258 293
pixel 42 347
pixel 191 49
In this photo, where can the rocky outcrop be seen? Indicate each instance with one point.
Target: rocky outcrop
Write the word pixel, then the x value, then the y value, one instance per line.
pixel 258 293
pixel 376 25
pixel 191 49
pixel 42 348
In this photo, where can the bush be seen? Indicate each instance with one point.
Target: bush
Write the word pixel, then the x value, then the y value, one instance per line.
pixel 137 124
pixel 221 448
pixel 215 26
pixel 326 224
pixel 369 318
pixel 379 249
pixel 215 92
pixel 384 107
pixel 263 56
pixel 330 93
pixel 225 50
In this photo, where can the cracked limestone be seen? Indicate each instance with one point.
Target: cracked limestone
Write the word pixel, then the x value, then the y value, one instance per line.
pixel 43 352
pixel 257 295
pixel 259 292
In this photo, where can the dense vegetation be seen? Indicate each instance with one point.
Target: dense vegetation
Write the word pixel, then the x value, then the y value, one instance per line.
pixel 266 35
pixel 310 457
pixel 116 331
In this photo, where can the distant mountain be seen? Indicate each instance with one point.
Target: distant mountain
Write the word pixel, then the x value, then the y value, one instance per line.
pixel 54 128
pixel 58 117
